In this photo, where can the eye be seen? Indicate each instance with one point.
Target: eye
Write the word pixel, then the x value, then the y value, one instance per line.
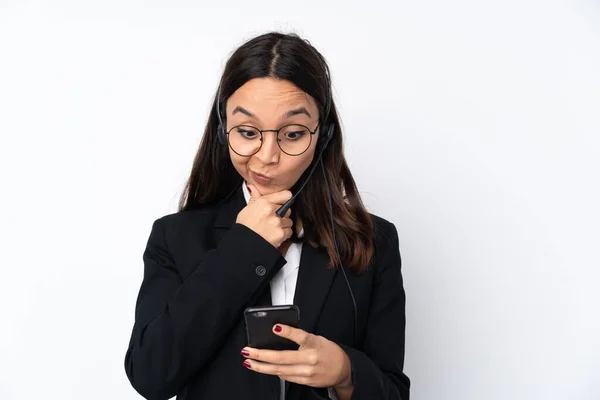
pixel 247 132
pixel 293 135
pixel 294 132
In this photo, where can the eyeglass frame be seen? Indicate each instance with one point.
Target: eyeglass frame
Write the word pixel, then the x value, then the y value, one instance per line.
pixel 276 131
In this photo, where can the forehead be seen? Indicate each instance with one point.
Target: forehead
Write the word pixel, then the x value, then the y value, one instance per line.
pixel 268 95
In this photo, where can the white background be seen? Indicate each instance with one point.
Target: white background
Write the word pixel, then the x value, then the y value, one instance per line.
pixel 473 126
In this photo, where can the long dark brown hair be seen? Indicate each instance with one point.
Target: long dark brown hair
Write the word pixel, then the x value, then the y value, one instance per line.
pixel 213 177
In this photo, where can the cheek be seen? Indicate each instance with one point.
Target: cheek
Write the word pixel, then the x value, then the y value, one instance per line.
pixel 299 165
pixel 306 162
pixel 239 163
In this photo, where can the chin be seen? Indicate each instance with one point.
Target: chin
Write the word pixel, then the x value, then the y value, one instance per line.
pixel 266 189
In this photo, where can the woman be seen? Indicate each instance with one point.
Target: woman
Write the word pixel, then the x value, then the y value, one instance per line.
pixel 227 249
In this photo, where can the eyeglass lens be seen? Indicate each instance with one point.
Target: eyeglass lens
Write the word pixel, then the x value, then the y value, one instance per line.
pixel 246 140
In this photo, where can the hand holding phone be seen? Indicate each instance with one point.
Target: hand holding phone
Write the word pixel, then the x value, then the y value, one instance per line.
pixel 260 322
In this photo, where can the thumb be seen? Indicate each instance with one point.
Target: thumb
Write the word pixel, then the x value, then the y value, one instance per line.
pixel 254 192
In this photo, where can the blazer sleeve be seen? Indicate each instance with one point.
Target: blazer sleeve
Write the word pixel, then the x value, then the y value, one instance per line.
pixel 377 371
pixel 179 324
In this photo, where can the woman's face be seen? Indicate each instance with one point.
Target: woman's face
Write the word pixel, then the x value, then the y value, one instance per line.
pixel 269 103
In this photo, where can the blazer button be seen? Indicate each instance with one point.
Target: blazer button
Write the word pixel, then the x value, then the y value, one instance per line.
pixel 260 270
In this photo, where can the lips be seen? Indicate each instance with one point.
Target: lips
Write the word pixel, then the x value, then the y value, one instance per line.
pixel 260 178
pixel 261 175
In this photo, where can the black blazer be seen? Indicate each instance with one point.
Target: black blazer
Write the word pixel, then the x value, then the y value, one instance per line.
pixel 201 270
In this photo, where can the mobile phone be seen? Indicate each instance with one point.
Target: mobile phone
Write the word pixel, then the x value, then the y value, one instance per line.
pixel 260 322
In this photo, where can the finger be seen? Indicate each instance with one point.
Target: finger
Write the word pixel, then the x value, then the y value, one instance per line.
pixel 253 190
pixel 278 369
pixel 294 334
pixel 286 223
pixel 281 357
pixel 275 207
pixel 288 213
pixel 288 233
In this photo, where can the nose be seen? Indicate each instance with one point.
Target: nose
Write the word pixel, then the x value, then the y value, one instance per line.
pixel 269 151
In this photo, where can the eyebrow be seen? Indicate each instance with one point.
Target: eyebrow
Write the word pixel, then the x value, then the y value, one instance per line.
pixel 290 113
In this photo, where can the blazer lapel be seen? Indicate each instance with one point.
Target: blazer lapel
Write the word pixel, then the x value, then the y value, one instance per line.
pixel 312 287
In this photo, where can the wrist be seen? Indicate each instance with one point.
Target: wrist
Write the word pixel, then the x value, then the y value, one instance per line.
pixel 345 381
pixel 343 393
pixel 345 385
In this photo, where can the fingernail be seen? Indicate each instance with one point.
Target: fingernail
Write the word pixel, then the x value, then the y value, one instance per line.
pixel 246 364
pixel 278 328
pixel 245 353
pixel 250 190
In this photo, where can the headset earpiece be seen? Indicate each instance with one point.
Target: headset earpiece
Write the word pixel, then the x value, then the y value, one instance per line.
pixel 221 134
pixel 327 134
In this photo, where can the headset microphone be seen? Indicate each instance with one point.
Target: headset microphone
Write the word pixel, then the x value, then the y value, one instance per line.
pixel 283 209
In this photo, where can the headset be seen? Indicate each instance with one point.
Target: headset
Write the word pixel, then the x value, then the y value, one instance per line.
pixel 323 141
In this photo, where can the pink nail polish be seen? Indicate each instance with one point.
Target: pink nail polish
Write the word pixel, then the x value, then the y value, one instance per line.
pixel 245 353
pixel 246 364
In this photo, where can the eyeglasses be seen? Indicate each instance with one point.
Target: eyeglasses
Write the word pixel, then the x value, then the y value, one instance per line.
pixel 293 140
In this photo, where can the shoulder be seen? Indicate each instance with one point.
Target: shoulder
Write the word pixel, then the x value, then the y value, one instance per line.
pixel 186 235
pixel 185 221
pixel 385 232
pixel 385 241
